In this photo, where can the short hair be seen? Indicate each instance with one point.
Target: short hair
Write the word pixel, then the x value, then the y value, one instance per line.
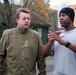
pixel 19 10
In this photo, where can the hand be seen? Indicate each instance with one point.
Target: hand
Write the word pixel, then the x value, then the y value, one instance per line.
pixel 55 35
pixel 59 31
pixel 50 36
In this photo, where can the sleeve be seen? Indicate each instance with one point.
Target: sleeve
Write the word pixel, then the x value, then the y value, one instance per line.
pixel 40 60
pixel 2 51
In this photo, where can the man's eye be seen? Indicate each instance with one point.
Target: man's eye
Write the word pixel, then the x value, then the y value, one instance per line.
pixel 23 18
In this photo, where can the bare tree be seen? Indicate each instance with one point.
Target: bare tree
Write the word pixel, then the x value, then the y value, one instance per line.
pixel 6 12
pixel 28 3
pixel 8 9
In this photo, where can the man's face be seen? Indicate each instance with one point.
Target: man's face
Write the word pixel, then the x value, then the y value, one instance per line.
pixel 65 20
pixel 24 20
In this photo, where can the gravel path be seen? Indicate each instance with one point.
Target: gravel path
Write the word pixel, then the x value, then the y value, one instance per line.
pixel 49 67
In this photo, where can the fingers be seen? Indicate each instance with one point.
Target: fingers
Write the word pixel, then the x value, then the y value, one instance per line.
pixel 50 36
pixel 57 32
pixel 62 36
pixel 60 31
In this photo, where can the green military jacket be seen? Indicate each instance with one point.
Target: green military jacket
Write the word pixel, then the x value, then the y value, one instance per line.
pixel 19 52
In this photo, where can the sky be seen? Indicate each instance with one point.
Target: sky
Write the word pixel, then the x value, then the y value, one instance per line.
pixel 58 4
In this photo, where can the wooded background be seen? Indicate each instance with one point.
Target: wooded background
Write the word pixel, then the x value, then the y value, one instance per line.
pixel 8 9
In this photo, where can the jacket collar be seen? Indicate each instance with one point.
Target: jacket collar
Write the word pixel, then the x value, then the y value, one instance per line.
pixel 22 31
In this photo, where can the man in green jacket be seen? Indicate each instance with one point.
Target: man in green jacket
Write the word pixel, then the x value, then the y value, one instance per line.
pixel 21 48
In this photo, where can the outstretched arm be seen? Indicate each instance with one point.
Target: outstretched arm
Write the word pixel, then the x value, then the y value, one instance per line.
pixel 47 49
pixel 65 43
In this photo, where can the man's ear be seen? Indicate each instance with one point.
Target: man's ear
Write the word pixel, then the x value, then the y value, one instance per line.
pixel 16 20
